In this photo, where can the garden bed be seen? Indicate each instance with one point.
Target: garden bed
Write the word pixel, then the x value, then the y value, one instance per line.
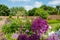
pixel 13 27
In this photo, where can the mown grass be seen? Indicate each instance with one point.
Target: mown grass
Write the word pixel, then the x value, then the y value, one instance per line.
pixel 55 24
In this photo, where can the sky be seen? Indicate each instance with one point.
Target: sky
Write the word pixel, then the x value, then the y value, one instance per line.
pixel 29 4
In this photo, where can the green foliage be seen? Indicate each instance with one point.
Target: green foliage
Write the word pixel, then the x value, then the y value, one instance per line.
pixel 12 27
pixel 15 11
pixel 49 9
pixel 32 12
pixel 58 6
pixel 38 12
pixel 53 21
pixel 42 13
pixel 55 24
pixel 15 24
pixel 10 16
pixel 27 26
pixel 9 37
pixel 4 10
pixel 58 9
pixel 21 11
pixel 57 28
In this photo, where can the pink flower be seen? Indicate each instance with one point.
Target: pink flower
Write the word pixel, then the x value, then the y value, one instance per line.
pixel 14 36
pixel 27 30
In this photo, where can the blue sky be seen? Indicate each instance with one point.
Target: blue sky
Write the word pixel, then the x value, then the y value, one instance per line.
pixel 29 4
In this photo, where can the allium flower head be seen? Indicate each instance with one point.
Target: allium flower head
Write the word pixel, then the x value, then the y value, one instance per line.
pixel 34 37
pixel 14 36
pixel 50 33
pixel 39 25
pixel 27 31
pixel 53 37
pixel 22 37
pixel 58 32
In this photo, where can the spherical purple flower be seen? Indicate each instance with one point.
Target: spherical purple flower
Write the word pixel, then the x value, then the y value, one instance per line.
pixel 40 25
pixel 14 36
pixel 34 37
pixel 58 32
pixel 22 37
pixel 53 37
pixel 27 31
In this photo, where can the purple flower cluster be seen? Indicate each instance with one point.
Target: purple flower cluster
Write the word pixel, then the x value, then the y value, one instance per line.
pixel 22 37
pixel 40 25
pixel 14 36
pixel 34 37
pixel 53 37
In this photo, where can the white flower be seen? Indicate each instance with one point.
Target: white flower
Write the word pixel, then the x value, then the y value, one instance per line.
pixel 50 27
pixel 59 29
pixel 23 20
pixel 52 32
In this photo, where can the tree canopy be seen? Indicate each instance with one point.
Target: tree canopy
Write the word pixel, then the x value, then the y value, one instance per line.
pixel 18 11
pixel 21 11
pixel 4 10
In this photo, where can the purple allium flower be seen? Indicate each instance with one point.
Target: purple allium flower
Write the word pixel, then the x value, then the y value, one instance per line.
pixel 58 32
pixel 50 33
pixel 14 36
pixel 22 37
pixel 27 31
pixel 53 37
pixel 34 37
pixel 40 25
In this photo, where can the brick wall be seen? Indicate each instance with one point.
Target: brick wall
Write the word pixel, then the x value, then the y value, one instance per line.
pixel 32 17
pixel 54 17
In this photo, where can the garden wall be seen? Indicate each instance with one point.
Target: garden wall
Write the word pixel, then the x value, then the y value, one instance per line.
pixel 32 17
pixel 54 17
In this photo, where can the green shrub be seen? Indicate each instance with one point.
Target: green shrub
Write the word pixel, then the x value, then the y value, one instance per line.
pixel 57 28
pixel 27 26
pixel 42 13
pixel 13 26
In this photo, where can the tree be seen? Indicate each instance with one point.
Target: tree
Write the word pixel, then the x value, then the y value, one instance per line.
pixel 49 9
pixel 38 12
pixel 58 8
pixel 4 10
pixel 42 13
pixel 18 11
pixel 44 7
pixel 32 12
pixel 13 11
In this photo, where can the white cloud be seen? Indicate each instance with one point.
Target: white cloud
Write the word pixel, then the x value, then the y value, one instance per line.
pixel 20 0
pixel 54 2
pixel 27 7
pixel 36 4
pixel 54 6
